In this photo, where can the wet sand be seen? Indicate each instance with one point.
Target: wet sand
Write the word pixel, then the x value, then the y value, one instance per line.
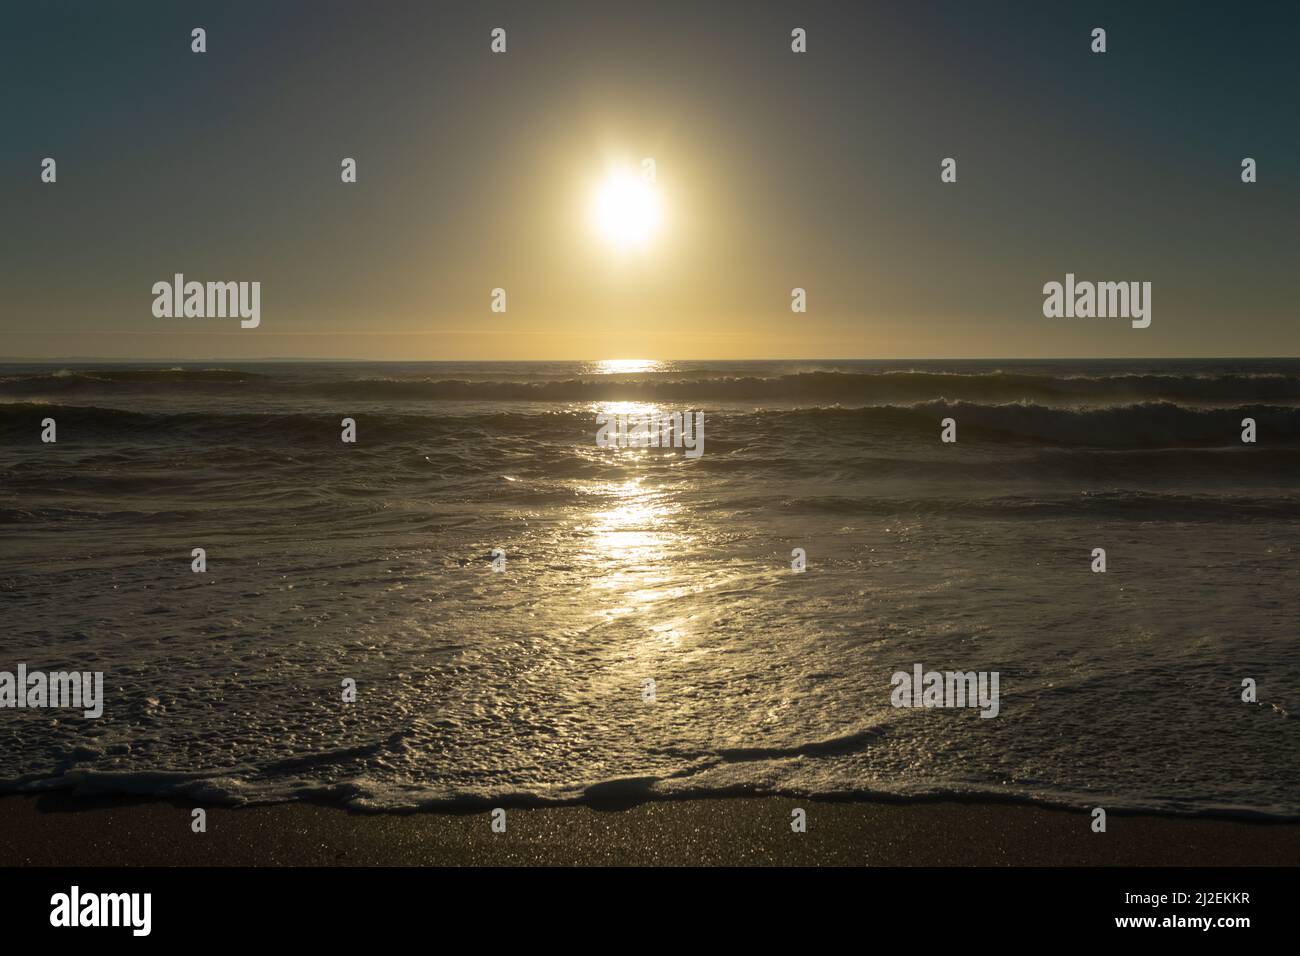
pixel 59 830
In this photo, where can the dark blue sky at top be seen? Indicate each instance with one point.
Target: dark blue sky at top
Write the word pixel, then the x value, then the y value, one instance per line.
pixel 819 171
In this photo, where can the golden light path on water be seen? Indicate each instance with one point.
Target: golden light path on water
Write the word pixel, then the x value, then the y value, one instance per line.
pixel 634 535
pixel 634 553
pixel 625 366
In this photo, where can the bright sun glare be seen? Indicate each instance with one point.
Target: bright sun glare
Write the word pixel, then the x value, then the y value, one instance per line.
pixel 626 209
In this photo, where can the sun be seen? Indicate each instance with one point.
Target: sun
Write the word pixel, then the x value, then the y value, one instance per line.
pixel 626 210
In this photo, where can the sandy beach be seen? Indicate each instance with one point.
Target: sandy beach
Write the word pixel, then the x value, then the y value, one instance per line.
pixel 61 831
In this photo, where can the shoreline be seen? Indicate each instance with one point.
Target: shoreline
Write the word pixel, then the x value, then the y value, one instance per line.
pixel 79 831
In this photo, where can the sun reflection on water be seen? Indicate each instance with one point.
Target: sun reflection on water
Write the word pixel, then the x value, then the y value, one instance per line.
pixel 636 528
pixel 636 556
pixel 626 366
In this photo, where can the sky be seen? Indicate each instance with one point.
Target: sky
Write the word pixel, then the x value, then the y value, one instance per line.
pixel 775 170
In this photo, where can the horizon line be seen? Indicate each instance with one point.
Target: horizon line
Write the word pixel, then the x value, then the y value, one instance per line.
pixel 25 359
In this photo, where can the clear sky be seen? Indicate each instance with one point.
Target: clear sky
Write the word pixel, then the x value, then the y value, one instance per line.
pixel 774 170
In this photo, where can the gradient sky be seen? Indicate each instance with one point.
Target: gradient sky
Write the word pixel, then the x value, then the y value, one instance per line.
pixel 778 170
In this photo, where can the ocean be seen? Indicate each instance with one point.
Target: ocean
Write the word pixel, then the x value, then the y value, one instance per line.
pixel 526 678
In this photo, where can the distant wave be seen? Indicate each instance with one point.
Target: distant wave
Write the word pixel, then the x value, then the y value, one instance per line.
pixel 1144 425
pixel 69 381
pixel 837 387
pixel 813 387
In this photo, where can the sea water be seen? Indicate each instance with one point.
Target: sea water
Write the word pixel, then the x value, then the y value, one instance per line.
pixel 524 676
